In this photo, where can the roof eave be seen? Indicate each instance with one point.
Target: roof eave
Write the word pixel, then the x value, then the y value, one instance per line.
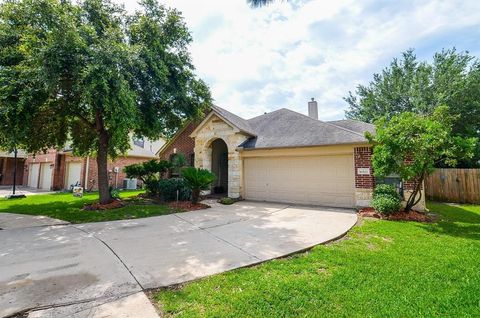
pixel 304 146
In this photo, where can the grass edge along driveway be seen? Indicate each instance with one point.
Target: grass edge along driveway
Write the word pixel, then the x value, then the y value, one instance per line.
pixel 65 206
pixel 381 269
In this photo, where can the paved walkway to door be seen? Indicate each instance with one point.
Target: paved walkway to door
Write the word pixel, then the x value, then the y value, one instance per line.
pixel 88 270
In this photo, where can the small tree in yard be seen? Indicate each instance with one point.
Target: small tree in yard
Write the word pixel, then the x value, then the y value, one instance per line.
pixel 411 145
pixel 88 72
pixel 149 172
pixel 197 180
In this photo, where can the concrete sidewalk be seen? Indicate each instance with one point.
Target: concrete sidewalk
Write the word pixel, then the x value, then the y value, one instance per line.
pixel 85 270
pixel 10 221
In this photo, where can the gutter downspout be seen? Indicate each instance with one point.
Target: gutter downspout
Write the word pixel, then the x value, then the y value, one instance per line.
pixel 87 167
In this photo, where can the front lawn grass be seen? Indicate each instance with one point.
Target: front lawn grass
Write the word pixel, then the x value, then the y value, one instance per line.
pixel 380 269
pixel 65 206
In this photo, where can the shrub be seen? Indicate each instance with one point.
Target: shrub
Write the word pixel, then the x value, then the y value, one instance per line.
pixel 386 199
pixel 226 201
pixel 197 180
pixel 177 162
pixel 385 189
pixel 386 204
pixel 167 189
pixel 149 172
pixel 114 193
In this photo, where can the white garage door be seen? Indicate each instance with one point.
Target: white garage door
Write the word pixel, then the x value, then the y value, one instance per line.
pixel 33 175
pixel 319 180
pixel 73 175
pixel 45 176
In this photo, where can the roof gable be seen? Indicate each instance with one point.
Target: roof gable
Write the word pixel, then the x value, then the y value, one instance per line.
pixel 233 120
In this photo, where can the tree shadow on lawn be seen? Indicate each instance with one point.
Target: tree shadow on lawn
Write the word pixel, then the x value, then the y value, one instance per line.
pixel 72 211
pixel 456 221
pixel 47 208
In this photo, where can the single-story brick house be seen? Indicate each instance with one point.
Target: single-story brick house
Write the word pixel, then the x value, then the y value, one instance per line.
pixel 283 156
pixel 59 169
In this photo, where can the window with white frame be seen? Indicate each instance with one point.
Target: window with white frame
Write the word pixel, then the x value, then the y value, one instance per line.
pixel 139 141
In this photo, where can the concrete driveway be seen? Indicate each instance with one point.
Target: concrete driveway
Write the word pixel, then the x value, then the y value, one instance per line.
pixel 7 190
pixel 88 270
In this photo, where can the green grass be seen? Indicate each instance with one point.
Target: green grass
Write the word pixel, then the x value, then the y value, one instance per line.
pixel 65 206
pixel 381 269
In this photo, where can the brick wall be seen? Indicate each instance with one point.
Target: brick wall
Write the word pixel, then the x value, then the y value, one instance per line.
pixel 409 184
pixel 183 143
pixel 7 166
pixel 120 162
pixel 363 157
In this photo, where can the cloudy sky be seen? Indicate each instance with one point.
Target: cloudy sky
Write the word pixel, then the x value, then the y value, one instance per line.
pixel 281 55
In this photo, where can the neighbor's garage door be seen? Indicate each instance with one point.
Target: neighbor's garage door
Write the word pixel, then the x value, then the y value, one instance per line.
pixel 73 175
pixel 33 175
pixel 45 176
pixel 319 180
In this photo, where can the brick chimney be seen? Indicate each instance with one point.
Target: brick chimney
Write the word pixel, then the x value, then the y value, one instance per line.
pixel 313 109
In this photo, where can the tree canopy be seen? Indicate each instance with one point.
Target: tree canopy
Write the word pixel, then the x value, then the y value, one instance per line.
pixel 411 145
pixel 89 73
pixel 259 3
pixel 451 79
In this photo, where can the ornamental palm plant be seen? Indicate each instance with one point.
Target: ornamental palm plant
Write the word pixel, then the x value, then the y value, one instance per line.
pixel 197 180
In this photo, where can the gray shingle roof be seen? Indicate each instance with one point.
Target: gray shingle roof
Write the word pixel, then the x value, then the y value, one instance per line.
pixel 286 128
pixel 237 121
pixel 354 125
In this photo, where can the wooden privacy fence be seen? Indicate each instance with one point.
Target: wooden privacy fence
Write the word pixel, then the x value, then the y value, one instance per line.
pixel 454 185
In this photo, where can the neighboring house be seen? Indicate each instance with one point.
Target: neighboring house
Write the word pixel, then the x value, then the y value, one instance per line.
pixel 60 169
pixel 7 164
pixel 285 156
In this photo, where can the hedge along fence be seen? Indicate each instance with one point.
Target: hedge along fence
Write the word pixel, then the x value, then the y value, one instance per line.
pixel 454 185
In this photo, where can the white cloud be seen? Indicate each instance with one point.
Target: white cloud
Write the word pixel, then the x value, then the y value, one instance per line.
pixel 258 60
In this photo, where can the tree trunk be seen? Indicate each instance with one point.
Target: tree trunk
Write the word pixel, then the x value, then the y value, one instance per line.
pixel 102 166
pixel 195 196
pixel 413 200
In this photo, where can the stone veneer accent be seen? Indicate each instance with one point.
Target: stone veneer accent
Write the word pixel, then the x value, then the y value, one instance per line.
pixel 216 128
pixel 408 189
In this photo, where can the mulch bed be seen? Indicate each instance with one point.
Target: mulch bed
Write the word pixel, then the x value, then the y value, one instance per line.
pixel 398 216
pixel 115 204
pixel 187 206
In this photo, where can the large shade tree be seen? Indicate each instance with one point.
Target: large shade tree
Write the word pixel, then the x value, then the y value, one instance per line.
pixel 411 145
pixel 451 79
pixel 89 73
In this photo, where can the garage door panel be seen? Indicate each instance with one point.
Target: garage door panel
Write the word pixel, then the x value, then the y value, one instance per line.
pixel 33 175
pixel 45 182
pixel 73 174
pixel 322 180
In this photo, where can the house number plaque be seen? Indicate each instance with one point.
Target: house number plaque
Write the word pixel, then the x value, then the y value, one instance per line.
pixel 363 171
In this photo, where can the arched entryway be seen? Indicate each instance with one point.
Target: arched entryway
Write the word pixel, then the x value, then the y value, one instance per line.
pixel 220 166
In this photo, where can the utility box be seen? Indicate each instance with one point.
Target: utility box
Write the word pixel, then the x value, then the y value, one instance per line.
pixel 130 184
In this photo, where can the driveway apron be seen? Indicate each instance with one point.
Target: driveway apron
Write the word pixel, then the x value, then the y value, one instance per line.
pixel 77 270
